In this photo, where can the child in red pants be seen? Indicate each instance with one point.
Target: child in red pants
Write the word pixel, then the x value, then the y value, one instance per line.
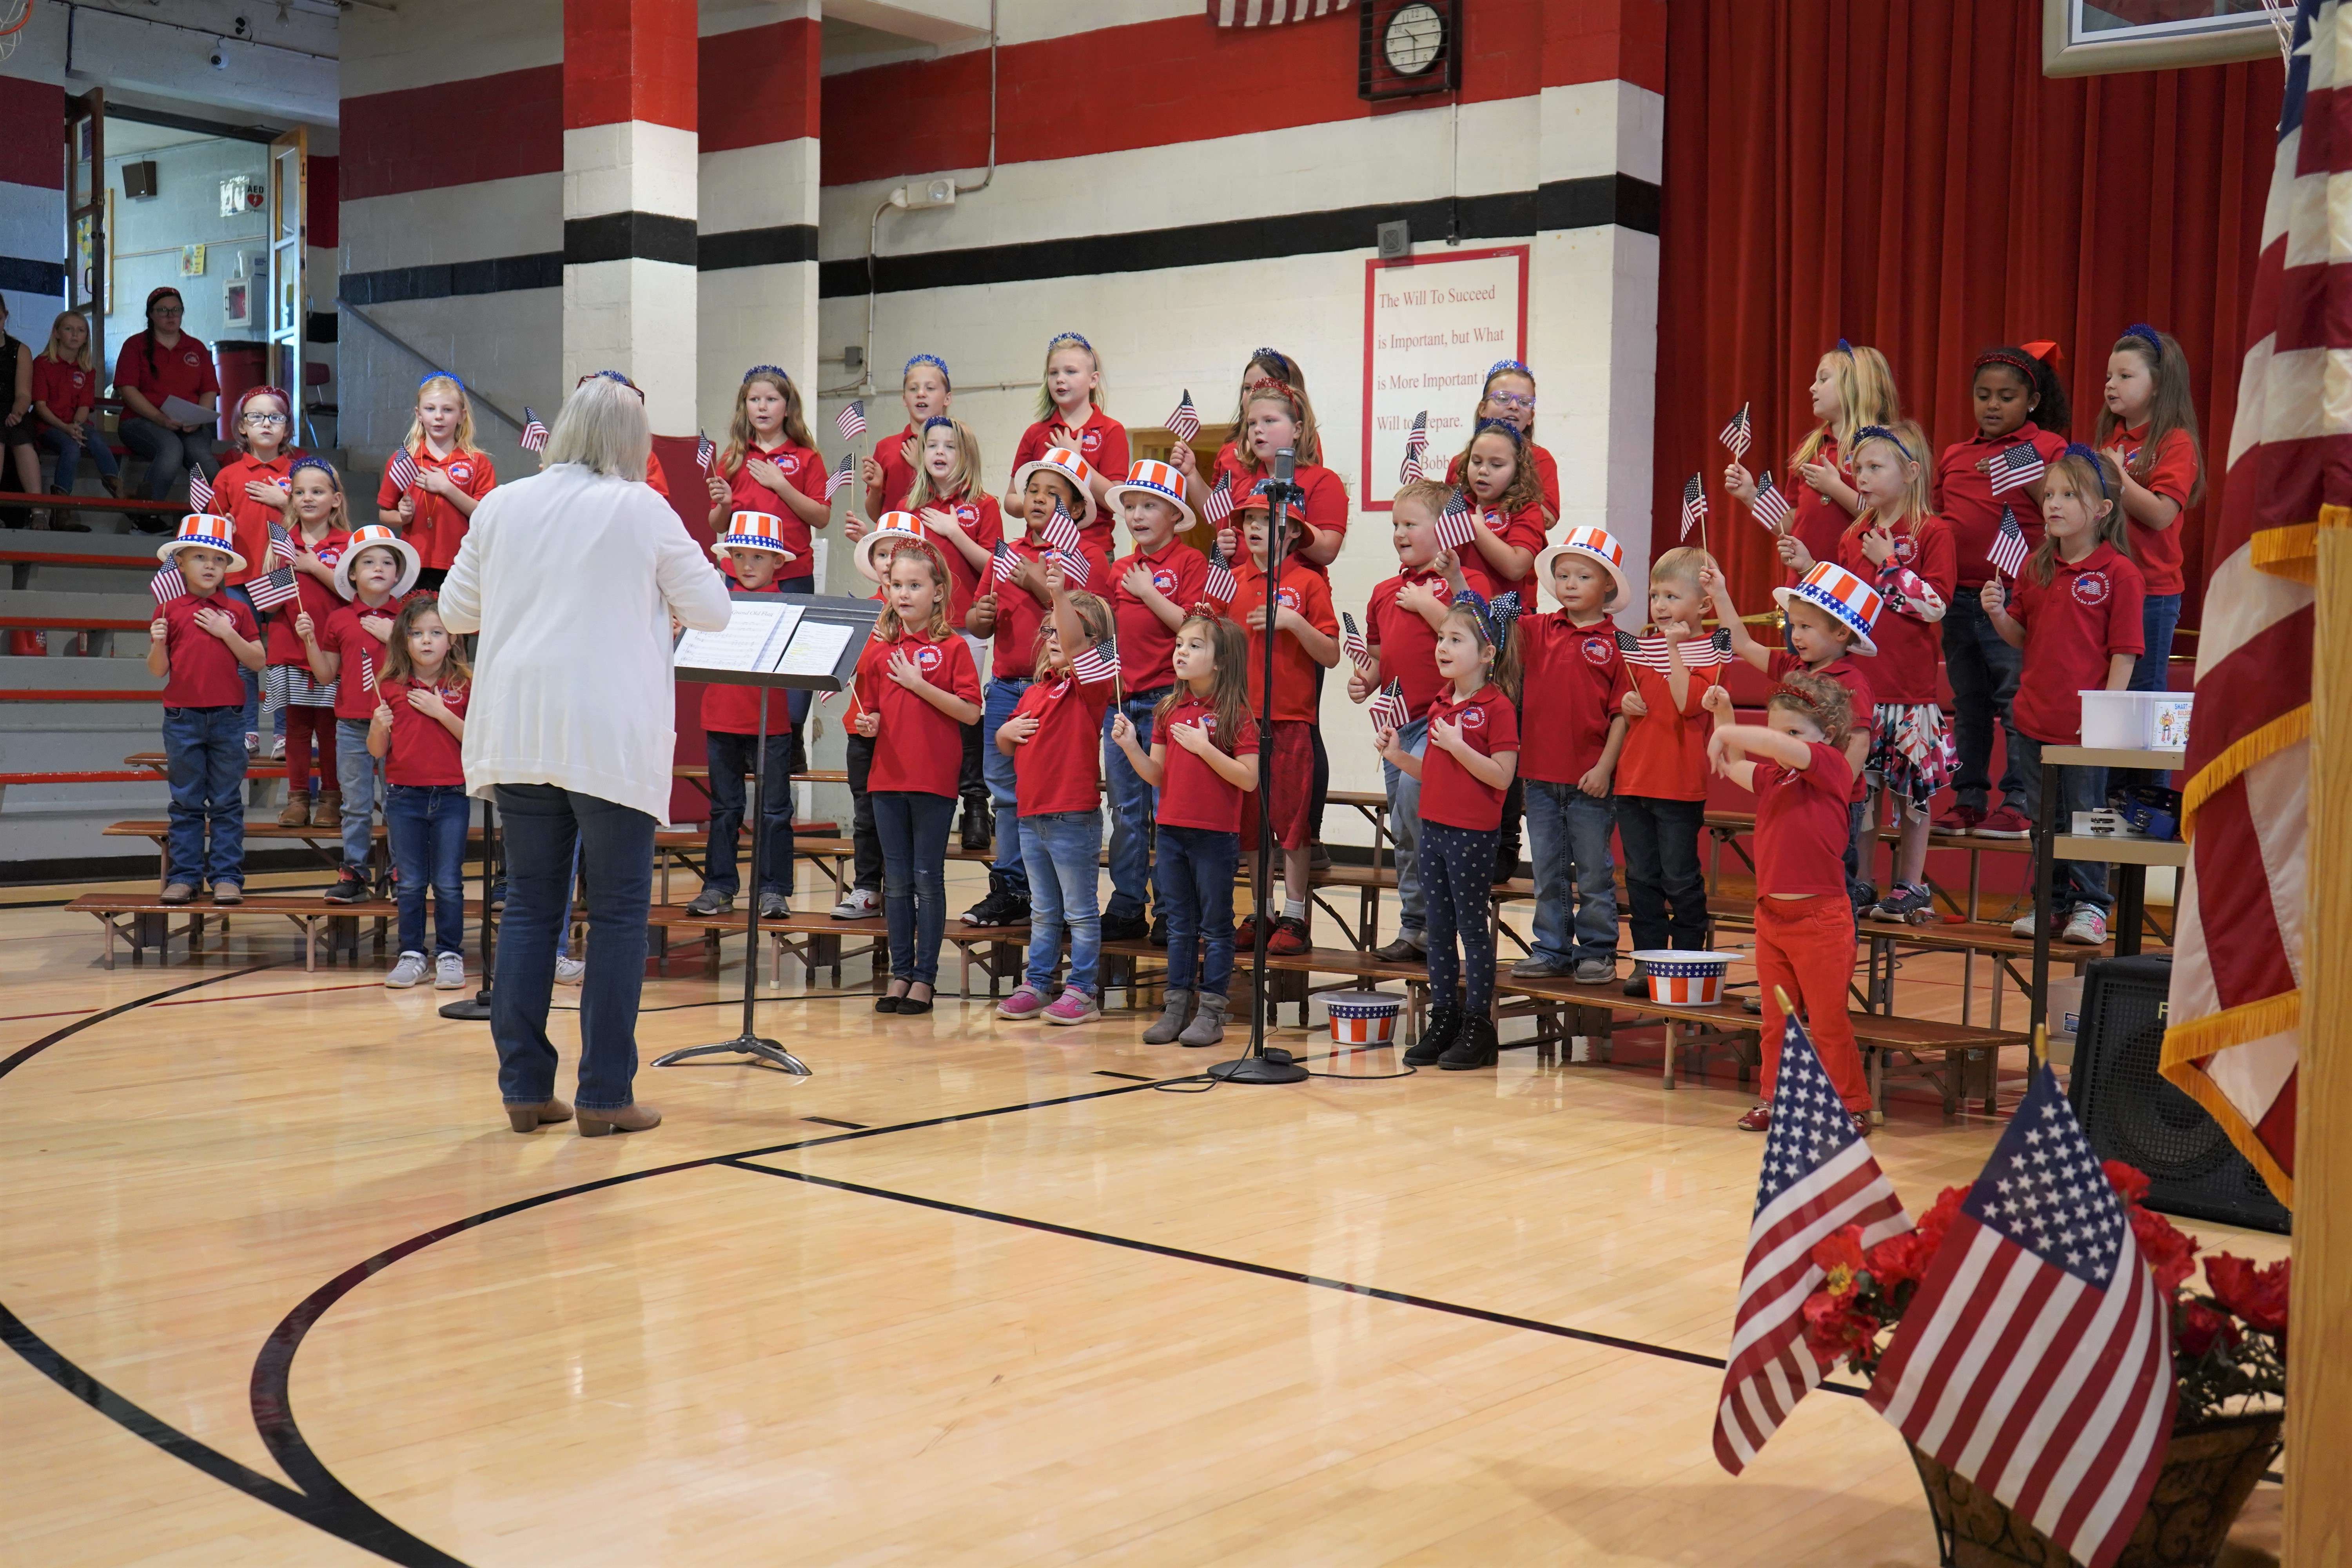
pixel 1804 922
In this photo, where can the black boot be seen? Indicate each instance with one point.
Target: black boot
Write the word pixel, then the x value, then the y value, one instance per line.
pixel 1444 1024
pixel 1474 1047
pixel 979 823
pixel 1002 907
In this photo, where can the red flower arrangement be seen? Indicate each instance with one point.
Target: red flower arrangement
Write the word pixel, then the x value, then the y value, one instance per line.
pixel 2229 1344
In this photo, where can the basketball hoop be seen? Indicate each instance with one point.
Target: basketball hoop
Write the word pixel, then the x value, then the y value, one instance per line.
pixel 14 14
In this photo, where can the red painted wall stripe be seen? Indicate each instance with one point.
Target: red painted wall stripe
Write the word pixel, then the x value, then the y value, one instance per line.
pixel 322 202
pixel 32 133
pixel 759 85
pixel 453 133
pixel 628 59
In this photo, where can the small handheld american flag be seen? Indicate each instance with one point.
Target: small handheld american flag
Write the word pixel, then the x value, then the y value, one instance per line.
pixel 1352 644
pixel 200 492
pixel 1097 664
pixel 706 455
pixel 1694 504
pixel 168 585
pixel 1185 423
pixel 1772 507
pixel 1735 435
pixel 534 434
pixel 1004 563
pixel 1072 562
pixel 276 587
pixel 281 545
pixel 851 421
pixel 2015 468
pixel 1220 584
pixel 403 471
pixel 367 671
pixel 2008 551
pixel 1458 525
pixel 1416 449
pixel 1220 504
pixel 1062 530
pixel 1388 709
pixel 840 476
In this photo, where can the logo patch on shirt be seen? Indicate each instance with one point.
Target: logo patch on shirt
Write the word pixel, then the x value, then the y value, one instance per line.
pixel 1287 597
pixel 1598 651
pixel 1090 440
pixel 190 358
pixel 927 657
pixel 461 472
pixel 1209 723
pixel 1474 718
pixel 1163 579
pixel 2091 588
pixel 966 515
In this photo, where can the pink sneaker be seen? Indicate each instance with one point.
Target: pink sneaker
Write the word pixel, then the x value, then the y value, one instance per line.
pixel 1073 1007
pixel 1023 1004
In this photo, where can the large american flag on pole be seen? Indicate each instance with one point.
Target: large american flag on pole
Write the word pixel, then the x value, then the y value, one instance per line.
pixel 1270 13
pixel 2036 1359
pixel 2236 1010
pixel 1817 1178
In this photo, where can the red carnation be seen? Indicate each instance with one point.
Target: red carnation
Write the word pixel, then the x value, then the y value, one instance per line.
pixel 1937 1221
pixel 1839 1254
pixel 2201 1327
pixel 2171 1254
pixel 1834 1330
pixel 1897 1260
pixel 2129 1182
pixel 2257 1295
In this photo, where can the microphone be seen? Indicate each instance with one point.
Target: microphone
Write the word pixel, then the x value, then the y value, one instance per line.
pixel 1284 466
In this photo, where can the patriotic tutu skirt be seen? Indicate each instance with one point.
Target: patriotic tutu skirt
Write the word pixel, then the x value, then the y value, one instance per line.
pixel 290 686
pixel 1911 752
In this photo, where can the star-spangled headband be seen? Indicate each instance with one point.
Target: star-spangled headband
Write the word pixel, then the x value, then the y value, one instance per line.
pixel 1274 385
pixel 935 421
pixel 2146 334
pixel 1513 366
pixel 1495 616
pixel 1058 339
pixel 2076 449
pixel 446 375
pixel 779 371
pixel 321 464
pixel 1274 356
pixel 1881 433
pixel 935 362
pixel 1500 427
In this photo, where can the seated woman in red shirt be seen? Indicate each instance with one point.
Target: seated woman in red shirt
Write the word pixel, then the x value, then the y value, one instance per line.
pixel 155 366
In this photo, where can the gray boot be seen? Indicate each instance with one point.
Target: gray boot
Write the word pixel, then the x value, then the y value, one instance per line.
pixel 1208 1024
pixel 1172 1019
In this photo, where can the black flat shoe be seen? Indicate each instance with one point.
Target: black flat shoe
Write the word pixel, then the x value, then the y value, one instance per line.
pixel 888 1003
pixel 910 1005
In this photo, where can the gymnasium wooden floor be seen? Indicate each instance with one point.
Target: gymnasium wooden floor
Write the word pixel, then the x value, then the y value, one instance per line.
pixel 280 1288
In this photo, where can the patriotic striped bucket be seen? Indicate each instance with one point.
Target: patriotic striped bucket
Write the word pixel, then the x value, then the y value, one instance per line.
pixel 1692 979
pixel 1363 1018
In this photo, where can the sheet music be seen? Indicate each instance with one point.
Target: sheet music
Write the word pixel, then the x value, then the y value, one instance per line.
pixel 814 649
pixel 180 411
pixel 749 643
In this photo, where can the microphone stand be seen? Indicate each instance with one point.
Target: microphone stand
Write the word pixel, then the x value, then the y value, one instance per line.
pixel 1258 1064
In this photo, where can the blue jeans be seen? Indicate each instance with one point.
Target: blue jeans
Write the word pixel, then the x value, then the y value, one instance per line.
pixel 1662 879
pixel 1063 895
pixel 69 449
pixel 426 824
pixel 169 453
pixel 731 760
pixel 1196 884
pixel 206 752
pixel 2071 882
pixel 542 825
pixel 1459 874
pixel 913 828
pixel 1003 697
pixel 1983 671
pixel 1567 830
pixel 356 771
pixel 1405 828
pixel 1133 807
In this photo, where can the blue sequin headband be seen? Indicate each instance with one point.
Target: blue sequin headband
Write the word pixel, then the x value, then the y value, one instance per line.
pixel 935 362
pixel 1513 366
pixel 2146 334
pixel 324 467
pixel 1058 339
pixel 445 375
pixel 775 370
pixel 1274 357
pixel 1845 348
pixel 2098 469
pixel 937 422
pixel 1881 433
pixel 1500 427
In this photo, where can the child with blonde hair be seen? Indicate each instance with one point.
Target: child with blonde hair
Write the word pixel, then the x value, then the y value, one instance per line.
pixel 65 401
pixel 416 732
pixel 1070 416
pixel 453 475
pixel 318 526
pixel 888 475
pixel 1852 387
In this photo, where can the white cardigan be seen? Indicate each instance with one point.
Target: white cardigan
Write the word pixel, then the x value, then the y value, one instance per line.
pixel 570 577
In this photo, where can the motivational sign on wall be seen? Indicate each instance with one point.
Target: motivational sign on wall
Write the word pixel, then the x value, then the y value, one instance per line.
pixel 1433 325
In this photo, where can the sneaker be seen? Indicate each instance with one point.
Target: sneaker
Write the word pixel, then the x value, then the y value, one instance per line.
pixel 351 887
pixel 1245 933
pixel 568 971
pixel 277 748
pixel 775 906
pixel 858 904
pixel 1318 857
pixel 1289 939
pixel 1408 948
pixel 179 893
pixel 1073 1007
pixel 1024 1003
pixel 1595 971
pixel 450 972
pixel 712 902
pixel 233 893
pixel 252 743
pixel 2087 926
pixel 1534 967
pixel 1002 907
pixel 1124 928
pixel 1960 821
pixel 1861 1123
pixel 1758 1119
pixel 408 972
pixel 2008 822
pixel 2024 927
pixel 1908 904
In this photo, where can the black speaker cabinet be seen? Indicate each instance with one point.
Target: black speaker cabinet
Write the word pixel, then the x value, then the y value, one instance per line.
pixel 2132 1114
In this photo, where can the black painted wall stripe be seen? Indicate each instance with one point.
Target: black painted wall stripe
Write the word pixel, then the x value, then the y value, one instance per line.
pixel 778 247
pixel 624 237
pixel 495 275
pixel 22 275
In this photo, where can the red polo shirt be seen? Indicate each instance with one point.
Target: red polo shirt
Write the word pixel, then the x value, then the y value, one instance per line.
pixel 983 525
pixel 1547 476
pixel 1019 613
pixel 897 470
pixel 1294 668
pixel 1102 442
pixel 1448 793
pixel 204 673
pixel 1191 792
pixel 1523 528
pixel 422 751
pixel 183 370
pixel 1800 824
pixel 317 597
pixel 252 517
pixel 2156 551
pixel 1571 675
pixel 1059 768
pixel 65 387
pixel 1847 671
pixel 1664 756
pixel 362 652
pixel 438 528
pixel 1910 651
pixel 1818 521
pixel 1147 644
pixel 1407 644
pixel 2087 613
pixel 804 472
pixel 1325 495
pixel 919 748
pixel 1964 498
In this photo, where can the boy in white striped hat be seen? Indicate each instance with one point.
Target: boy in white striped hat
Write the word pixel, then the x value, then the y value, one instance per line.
pixel 752 552
pixel 200 644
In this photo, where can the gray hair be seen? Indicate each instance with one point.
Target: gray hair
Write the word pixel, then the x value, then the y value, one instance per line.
pixel 603 426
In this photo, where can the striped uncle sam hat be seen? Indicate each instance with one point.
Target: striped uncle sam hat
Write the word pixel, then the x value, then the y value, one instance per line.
pixel 203 531
pixel 1849 600
pixel 1071 467
pixel 751 530
pixel 1600 544
pixel 891 529
pixel 376 535
pixel 1163 481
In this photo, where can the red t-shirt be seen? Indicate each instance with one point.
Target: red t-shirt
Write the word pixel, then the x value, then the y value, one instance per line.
pixel 735 710
pixel 252 517
pixel 804 472
pixel 438 528
pixel 1060 767
pixel 919 748
pixel 1570 680
pixel 897 472
pixel 362 652
pixel 183 370
pixel 65 387
pixel 1294 668
pixel 1523 528
pixel 1019 613
pixel 1325 498
pixel 1910 651
pixel 1547 477
pixel 203 672
pixel 1664 756
pixel 1448 793
pixel 653 475
pixel 1818 521
pixel 1846 671
pixel 2089 612
pixel 983 525
pixel 317 597
pixel 1407 644
pixel 2154 550
pixel 1800 824
pixel 1102 442
pixel 1964 498
pixel 1191 792
pixel 422 751
pixel 1147 644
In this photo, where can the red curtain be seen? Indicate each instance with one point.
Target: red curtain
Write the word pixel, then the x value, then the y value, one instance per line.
pixel 1905 176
